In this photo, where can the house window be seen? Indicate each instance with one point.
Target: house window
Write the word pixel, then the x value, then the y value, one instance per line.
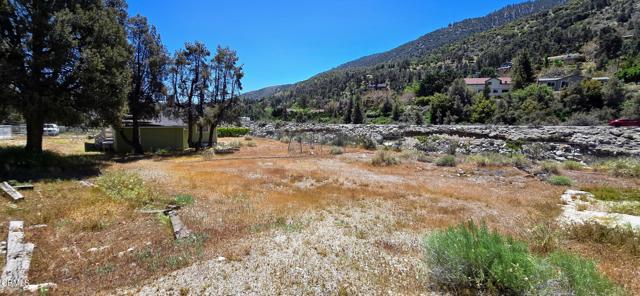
pixel 504 91
pixel 495 91
pixel 564 84
pixel 551 84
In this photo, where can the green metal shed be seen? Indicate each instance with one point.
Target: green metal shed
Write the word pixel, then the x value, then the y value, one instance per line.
pixel 153 138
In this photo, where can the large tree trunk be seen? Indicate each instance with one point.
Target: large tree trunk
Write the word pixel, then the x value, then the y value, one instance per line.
pixel 35 128
pixel 199 143
pixel 190 128
pixel 212 131
pixel 135 141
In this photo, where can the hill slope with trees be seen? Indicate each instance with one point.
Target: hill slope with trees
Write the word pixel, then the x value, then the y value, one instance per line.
pixel 605 32
pixel 455 32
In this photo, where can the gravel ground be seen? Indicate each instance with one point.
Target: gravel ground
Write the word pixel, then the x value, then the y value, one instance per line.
pixel 338 251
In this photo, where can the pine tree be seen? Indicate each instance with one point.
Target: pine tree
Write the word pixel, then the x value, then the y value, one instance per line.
pixel 395 113
pixel 148 70
pixel 386 107
pixel 522 71
pixel 418 118
pixel 356 117
pixel 347 112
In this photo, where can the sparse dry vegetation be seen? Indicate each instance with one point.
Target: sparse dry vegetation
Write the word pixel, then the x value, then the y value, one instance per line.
pixel 241 208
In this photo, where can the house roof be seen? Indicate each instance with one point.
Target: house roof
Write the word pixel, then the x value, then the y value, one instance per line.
pixel 483 80
pixel 569 56
pixel 547 79
pixel 161 121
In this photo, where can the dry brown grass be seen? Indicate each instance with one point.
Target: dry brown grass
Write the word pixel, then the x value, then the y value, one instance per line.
pixel 262 188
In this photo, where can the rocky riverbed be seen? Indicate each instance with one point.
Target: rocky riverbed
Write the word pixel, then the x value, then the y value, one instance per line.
pixel 541 142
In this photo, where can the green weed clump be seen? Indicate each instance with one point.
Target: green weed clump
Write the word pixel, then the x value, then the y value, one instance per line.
pixel 446 161
pixel 384 158
pixel 183 200
pixel 126 186
pixel 608 193
pixel 560 181
pixel 473 258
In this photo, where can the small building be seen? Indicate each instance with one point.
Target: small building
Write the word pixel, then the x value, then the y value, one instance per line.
pixel 162 133
pixel 152 138
pixel 505 68
pixel 560 82
pixel 498 86
pixel 603 79
pixel 378 86
pixel 5 132
pixel 570 58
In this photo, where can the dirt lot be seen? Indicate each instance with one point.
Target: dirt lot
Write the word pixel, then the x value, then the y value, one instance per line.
pixel 269 221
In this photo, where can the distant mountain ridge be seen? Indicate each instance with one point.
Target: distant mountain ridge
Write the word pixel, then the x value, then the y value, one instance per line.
pixel 264 92
pixel 455 32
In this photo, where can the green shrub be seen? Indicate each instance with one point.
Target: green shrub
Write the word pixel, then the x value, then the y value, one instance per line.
pixel 285 140
pixel 560 181
pixel 621 167
pixel 572 165
pixel 472 258
pixel 452 147
pixel 225 132
pixel 381 120
pixel 447 160
pixel 127 186
pixel 367 143
pixel 384 158
pixel 514 145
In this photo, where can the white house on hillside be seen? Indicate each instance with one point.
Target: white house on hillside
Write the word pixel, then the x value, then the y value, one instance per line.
pixel 498 86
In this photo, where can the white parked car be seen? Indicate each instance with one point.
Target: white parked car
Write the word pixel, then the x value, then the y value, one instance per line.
pixel 51 129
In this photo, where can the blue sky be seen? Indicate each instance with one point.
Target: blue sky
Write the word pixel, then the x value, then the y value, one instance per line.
pixel 283 42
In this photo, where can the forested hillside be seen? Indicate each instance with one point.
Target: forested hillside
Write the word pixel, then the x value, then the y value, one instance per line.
pixel 426 44
pixel 604 31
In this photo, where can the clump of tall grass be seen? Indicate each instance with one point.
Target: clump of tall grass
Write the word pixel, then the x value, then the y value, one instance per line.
pixel 572 165
pixel 473 258
pixel 446 161
pixel 620 237
pixel 550 167
pixel 498 159
pixel 384 158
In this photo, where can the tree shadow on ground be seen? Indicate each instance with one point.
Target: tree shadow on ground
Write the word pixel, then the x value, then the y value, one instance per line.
pixel 20 165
